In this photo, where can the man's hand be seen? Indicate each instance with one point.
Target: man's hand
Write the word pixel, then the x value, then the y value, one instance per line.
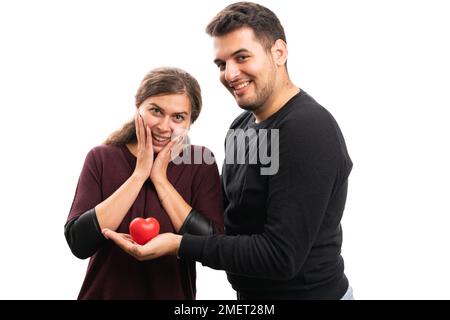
pixel 161 245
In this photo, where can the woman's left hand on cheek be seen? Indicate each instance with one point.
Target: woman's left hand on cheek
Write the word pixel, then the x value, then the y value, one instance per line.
pixel 167 154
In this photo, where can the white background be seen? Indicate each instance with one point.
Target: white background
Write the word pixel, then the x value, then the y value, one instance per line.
pixel 69 71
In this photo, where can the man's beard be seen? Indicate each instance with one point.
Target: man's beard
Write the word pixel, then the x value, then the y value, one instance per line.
pixel 261 97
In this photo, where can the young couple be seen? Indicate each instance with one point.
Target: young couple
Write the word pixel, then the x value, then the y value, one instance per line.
pixel 282 236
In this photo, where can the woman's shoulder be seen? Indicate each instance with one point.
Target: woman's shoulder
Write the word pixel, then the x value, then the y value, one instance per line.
pixel 104 156
pixel 196 147
pixel 196 155
pixel 104 151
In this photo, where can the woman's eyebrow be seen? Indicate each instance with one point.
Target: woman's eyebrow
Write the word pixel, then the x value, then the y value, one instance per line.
pixel 155 105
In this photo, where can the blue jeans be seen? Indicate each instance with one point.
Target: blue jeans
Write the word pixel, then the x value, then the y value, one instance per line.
pixel 349 294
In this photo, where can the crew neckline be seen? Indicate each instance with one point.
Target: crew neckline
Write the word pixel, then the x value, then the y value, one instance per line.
pixel 253 124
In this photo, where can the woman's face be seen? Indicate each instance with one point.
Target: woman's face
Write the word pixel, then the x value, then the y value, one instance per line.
pixel 167 116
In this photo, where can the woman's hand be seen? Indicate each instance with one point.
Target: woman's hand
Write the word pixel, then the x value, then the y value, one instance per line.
pixel 161 245
pixel 167 154
pixel 144 162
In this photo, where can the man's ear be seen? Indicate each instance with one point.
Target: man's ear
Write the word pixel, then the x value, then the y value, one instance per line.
pixel 279 52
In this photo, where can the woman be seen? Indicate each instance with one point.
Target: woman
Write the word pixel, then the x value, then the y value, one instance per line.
pixel 131 176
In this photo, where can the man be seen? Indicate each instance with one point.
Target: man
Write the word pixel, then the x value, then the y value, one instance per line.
pixel 283 234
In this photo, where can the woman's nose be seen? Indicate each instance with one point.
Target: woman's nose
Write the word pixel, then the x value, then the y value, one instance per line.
pixel 163 125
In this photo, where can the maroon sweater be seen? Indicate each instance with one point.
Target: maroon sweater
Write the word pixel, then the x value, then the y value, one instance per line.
pixel 112 273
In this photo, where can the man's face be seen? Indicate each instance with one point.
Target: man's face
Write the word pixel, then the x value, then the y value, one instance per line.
pixel 247 69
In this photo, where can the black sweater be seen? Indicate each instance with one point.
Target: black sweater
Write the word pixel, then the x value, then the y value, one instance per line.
pixel 283 233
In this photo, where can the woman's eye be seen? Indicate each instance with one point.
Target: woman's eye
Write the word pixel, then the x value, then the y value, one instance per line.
pixel 155 111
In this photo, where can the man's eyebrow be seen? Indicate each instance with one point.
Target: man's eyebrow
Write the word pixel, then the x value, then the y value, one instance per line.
pixel 216 61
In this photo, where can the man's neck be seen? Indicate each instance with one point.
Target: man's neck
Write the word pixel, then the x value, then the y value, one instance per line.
pixel 279 98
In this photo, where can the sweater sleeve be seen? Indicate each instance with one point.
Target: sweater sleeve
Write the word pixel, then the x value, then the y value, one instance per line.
pixel 83 234
pixel 206 217
pixel 197 223
pixel 82 230
pixel 297 199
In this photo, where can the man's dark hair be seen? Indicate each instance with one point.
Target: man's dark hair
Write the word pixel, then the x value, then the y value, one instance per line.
pixel 262 21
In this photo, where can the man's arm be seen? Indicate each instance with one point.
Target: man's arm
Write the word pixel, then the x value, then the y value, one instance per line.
pixel 298 197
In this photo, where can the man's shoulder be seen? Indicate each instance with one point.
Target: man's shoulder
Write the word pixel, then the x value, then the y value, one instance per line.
pixel 241 120
pixel 304 110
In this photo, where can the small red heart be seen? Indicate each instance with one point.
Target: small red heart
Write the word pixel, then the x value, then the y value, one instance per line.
pixel 143 230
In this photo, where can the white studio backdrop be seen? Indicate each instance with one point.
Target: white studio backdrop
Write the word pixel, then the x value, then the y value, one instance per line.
pixel 69 71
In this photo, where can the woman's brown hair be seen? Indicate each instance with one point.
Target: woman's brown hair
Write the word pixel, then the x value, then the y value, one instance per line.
pixel 158 82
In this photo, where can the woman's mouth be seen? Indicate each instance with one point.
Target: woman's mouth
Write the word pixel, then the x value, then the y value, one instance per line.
pixel 160 140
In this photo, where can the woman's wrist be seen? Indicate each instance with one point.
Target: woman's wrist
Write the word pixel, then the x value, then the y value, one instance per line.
pixel 176 244
pixel 139 177
pixel 159 180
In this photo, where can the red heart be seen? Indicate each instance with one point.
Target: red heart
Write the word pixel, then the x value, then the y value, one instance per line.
pixel 143 230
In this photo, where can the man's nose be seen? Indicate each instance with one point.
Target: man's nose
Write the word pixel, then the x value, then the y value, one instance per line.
pixel 231 71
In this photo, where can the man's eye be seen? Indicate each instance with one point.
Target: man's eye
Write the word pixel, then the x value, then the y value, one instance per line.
pixel 242 58
pixel 221 66
pixel 179 117
pixel 155 111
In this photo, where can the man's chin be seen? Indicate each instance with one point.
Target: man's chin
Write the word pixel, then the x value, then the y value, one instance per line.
pixel 247 106
pixel 246 102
